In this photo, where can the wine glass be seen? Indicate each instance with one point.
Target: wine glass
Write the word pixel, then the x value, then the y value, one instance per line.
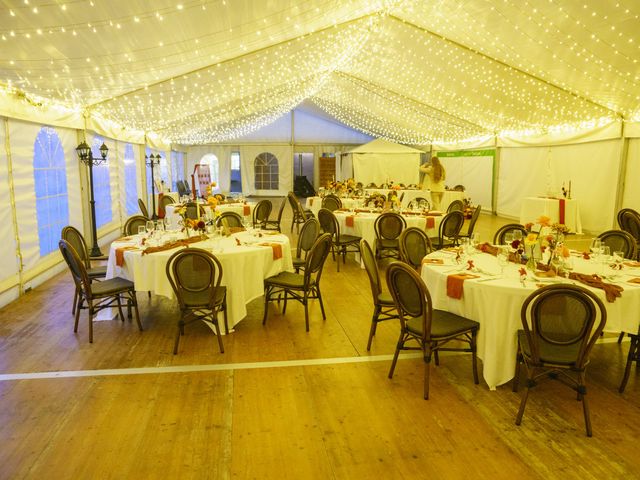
pixel 596 245
pixel 475 239
pixel 141 229
pixel 503 259
pixel 150 226
pixel 508 239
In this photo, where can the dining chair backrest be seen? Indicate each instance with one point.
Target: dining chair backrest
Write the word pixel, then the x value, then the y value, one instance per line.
pixel 498 237
pixel 371 266
pixel 164 201
pixel 411 296
pixel 620 241
pixel 450 226
pixel 229 220
pixel 414 246
pixel 389 225
pixel 459 188
pixel 132 224
pixel 331 202
pixel 308 236
pixel 194 275
pixel 296 206
pixel 76 267
pixel 261 213
pixel 143 208
pixel 455 205
pixel 329 222
pixel 194 210
pixel 73 236
pixel 419 202
pixel 316 258
pixel 629 221
pixel 474 219
pixel 563 317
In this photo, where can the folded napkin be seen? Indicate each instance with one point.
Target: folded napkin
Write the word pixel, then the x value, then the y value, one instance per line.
pixel 632 264
pixel 246 210
pixel 455 284
pixel 123 239
pixel 169 246
pixel 276 247
pixel 363 210
pixel 431 222
pixel 433 261
pixel 634 280
pixel 487 248
pixel 236 230
pixel 349 221
pixel 120 254
pixel 550 273
pixel 611 291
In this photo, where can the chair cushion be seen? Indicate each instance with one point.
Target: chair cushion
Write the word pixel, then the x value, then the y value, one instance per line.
pixel 553 354
pixel 287 280
pixel 385 298
pixel 443 324
pixel 347 239
pixel 387 242
pixel 97 272
pixel 201 299
pixel 298 262
pixel 111 287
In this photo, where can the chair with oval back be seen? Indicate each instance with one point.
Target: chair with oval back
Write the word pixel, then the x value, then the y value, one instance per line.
pixel 341 243
pixel 414 246
pixel 100 295
pixel 276 224
pixel 132 224
pixel 432 329
pixel 419 202
pixel 472 223
pixel 162 204
pixel 620 241
pixel 388 227
pixel 561 324
pixel 300 215
pixel 498 237
pixel 261 213
pixel 76 240
pixel 300 286
pixel 331 202
pixel 195 276
pixel 449 230
pixel 308 235
pixel 629 221
pixel 229 220
pixel 383 306
pixel 455 205
pixel 143 208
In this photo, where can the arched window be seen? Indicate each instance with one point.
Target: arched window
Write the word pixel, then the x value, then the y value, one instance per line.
pixel 214 167
pixel 50 179
pixel 101 186
pixel 130 187
pixel 266 171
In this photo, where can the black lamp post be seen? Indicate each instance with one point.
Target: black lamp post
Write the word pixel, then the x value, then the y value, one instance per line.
pixel 152 161
pixel 86 157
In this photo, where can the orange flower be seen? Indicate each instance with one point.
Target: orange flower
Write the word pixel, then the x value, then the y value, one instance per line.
pixel 544 221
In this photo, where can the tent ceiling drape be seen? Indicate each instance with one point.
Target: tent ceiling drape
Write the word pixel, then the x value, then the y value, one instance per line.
pixel 413 71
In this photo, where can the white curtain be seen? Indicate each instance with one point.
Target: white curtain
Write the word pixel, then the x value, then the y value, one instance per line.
pixel 592 169
pixel 383 167
pixel 284 154
pixel 631 197
pixel 475 172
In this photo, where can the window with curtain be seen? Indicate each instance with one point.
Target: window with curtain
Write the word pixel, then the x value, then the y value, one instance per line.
pixel 50 180
pixel 177 169
pixel 101 186
pixel 266 171
pixel 164 170
pixel 130 188
pixel 214 167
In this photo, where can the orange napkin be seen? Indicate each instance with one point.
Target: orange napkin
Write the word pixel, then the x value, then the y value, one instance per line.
pixel 122 239
pixel 611 291
pixel 455 282
pixel 277 249
pixel 431 222
pixel 236 229
pixel 632 264
pixel 120 254
pixel 246 210
pixel 349 221
pixel 432 261
pixel 634 280
pixel 434 214
pixel 168 246
pixel 311 202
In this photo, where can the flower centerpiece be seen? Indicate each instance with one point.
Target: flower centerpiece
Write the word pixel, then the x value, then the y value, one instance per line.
pixel 468 208
pixel 544 241
pixel 377 200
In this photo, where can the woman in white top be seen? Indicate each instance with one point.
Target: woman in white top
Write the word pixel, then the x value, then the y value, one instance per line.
pixel 436 173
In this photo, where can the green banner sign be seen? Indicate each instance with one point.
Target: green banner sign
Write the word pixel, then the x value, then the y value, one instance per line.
pixel 468 153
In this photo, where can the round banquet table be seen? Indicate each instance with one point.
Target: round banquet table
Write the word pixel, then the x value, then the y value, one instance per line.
pixel 315 203
pixel 361 223
pixel 495 300
pixel 242 209
pixel 244 266
pixel 410 194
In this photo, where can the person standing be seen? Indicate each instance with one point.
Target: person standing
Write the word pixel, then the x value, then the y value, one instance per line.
pixel 436 173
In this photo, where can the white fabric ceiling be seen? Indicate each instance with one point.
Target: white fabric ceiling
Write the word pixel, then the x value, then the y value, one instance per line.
pixel 413 71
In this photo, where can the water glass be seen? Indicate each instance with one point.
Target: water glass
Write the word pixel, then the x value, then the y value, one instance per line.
pixel 503 259
pixel 508 239
pixel 141 230
pixel 596 245
pixel 150 226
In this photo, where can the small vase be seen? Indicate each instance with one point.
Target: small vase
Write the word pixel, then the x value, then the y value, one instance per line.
pixel 531 264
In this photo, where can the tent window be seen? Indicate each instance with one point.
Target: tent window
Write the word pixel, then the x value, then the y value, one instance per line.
pixel 236 176
pixel 50 179
pixel 101 186
pixel 266 171
pixel 130 188
pixel 177 169
pixel 211 160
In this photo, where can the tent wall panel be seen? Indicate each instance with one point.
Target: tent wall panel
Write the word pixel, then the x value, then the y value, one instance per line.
pixel 113 160
pixel 474 171
pixel 592 168
pixel 631 197
pixel 10 266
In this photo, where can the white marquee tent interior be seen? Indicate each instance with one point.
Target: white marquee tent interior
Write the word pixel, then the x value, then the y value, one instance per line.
pixel 547 91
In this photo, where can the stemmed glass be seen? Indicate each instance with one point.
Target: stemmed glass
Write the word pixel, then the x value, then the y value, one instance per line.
pixel 503 259
pixel 508 239
pixel 150 226
pixel 596 246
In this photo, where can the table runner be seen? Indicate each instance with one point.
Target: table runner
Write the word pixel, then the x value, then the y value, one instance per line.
pixel 120 254
pixel 561 210
pixel 455 284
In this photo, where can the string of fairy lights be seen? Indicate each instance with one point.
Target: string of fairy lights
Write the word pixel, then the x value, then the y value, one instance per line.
pixel 407 70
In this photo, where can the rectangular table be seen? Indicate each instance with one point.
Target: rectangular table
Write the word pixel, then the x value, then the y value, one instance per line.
pixel 559 210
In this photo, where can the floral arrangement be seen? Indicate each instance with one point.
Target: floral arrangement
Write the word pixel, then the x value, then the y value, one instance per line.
pixel 211 187
pixel 468 208
pixel 376 200
pixel 546 236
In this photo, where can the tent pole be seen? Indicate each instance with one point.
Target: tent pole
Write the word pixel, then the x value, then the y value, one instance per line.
pixel 494 179
pixel 622 175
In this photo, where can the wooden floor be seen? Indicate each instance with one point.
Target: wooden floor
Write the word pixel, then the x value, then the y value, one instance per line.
pixel 328 411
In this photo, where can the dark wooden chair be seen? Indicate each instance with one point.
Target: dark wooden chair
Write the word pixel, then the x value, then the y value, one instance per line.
pixel 308 235
pixel 420 322
pixel 498 237
pixel 100 295
pixel 143 208
pixel 341 244
pixel 276 224
pixel 132 224
pixel 629 221
pixel 300 215
pixel 419 202
pixel 299 286
pixel 388 227
pixel 472 223
pixel 620 241
pixel 456 205
pixel 414 246
pixel 195 276
pixel 632 356
pixel 383 306
pixel 331 202
pixel 449 230
pixel 230 220
pixel 261 213
pixel 561 323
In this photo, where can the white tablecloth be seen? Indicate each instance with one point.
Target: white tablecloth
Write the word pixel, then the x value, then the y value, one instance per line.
pixel 315 203
pixel 533 207
pixel 244 268
pixel 496 305
pixel 363 225
pixel 448 197
pixel 238 208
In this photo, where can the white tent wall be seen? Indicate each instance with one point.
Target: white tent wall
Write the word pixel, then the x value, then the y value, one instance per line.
pixel 284 154
pixel 631 197
pixel 9 279
pixel 474 170
pixel 592 169
pixel 222 153
pixel 384 167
